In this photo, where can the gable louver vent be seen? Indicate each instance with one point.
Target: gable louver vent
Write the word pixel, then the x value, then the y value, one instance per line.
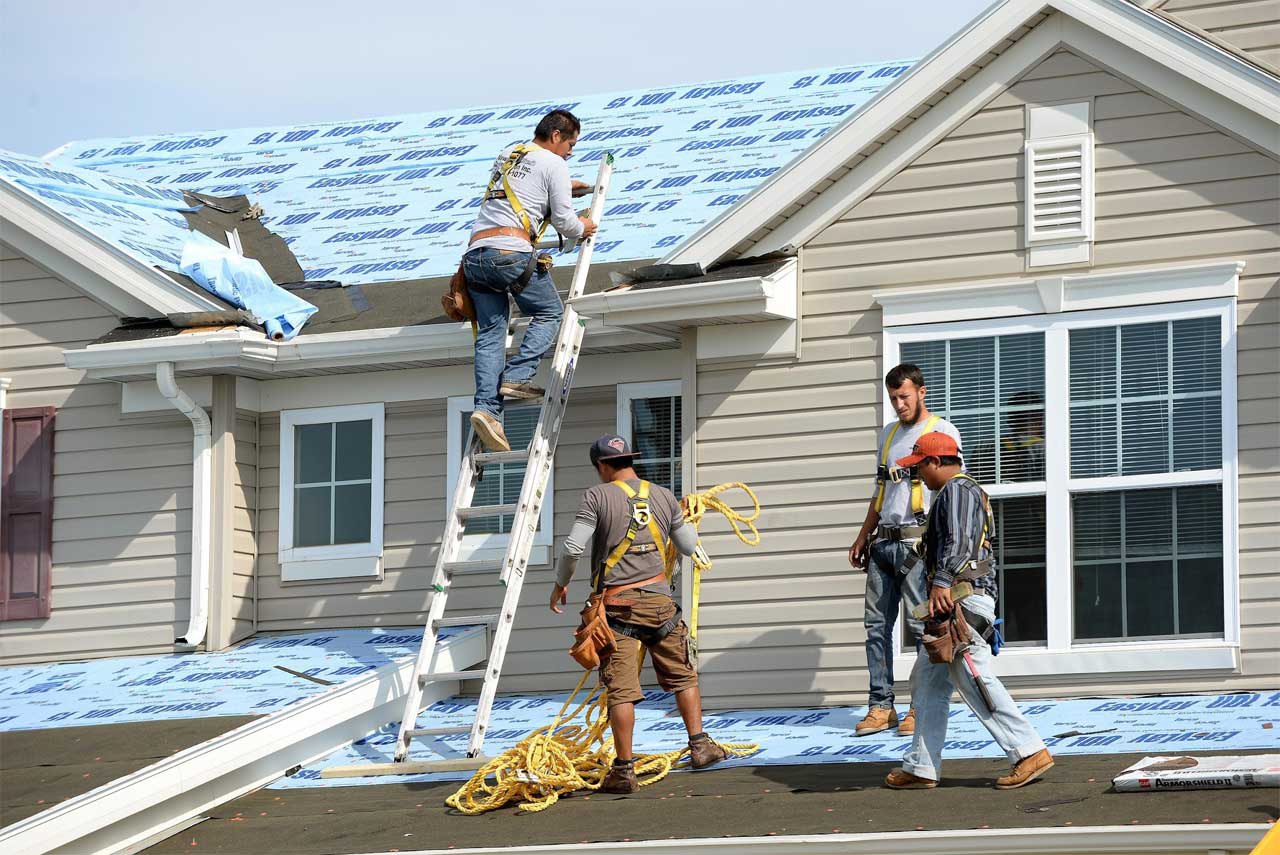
pixel 1060 189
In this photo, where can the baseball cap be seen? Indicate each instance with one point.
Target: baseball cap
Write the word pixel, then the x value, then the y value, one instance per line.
pixel 610 447
pixel 935 444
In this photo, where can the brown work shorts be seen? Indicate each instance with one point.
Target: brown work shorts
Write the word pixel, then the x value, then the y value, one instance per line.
pixel 672 662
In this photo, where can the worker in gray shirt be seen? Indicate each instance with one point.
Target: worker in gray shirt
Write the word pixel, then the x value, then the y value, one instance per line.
pixel 528 190
pixel 627 522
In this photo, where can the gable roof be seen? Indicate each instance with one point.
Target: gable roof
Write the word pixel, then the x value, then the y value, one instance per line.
pixel 393 198
pixel 881 137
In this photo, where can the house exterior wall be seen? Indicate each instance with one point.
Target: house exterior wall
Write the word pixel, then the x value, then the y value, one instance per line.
pixel 782 624
pixel 413 524
pixel 1253 26
pixel 244 539
pixel 121 485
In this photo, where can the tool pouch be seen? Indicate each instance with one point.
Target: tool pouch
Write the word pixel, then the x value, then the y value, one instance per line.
pixel 593 638
pixel 457 303
pixel 947 638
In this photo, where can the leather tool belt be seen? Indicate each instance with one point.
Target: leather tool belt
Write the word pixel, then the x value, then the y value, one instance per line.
pixel 594 637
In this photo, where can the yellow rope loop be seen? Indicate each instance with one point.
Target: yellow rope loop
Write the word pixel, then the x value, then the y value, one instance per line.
pixel 565 756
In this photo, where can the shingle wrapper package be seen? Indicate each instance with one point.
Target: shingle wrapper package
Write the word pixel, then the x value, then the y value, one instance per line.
pixel 242 282
pixel 1152 774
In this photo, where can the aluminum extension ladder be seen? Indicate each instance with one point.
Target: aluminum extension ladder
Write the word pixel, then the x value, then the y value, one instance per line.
pixel 539 459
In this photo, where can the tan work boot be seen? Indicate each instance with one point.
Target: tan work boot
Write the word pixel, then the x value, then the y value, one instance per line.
pixel 489 429
pixel 621 779
pixel 705 751
pixel 876 720
pixel 907 727
pixel 902 780
pixel 1026 770
pixel 525 391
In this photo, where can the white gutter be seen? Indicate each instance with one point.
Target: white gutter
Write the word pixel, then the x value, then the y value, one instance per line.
pixel 133 812
pixel 1214 839
pixel 201 493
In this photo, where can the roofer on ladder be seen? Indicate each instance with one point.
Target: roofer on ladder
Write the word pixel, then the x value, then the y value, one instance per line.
pixel 528 190
pixel 894 524
pixel 627 522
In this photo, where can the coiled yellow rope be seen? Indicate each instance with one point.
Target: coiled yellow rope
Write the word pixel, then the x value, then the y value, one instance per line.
pixel 560 758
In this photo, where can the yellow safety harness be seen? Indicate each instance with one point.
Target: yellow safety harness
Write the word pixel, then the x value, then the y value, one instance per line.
pixel 500 175
pixel 565 756
pixel 973 568
pixel 886 473
pixel 641 517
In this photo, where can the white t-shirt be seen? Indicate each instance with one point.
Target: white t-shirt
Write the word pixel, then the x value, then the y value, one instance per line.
pixel 542 184
pixel 896 510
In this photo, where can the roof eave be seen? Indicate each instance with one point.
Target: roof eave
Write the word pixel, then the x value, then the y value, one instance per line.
pixel 102 270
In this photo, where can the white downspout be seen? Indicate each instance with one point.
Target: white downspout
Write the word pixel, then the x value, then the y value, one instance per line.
pixel 201 489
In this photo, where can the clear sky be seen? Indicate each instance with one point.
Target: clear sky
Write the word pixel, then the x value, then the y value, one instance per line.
pixel 79 69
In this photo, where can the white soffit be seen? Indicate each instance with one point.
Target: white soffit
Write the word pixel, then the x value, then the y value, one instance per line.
pixel 1186 70
pixel 761 298
pixel 163 797
pixel 1052 294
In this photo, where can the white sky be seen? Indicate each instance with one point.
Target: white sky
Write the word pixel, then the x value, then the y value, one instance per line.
pixel 78 69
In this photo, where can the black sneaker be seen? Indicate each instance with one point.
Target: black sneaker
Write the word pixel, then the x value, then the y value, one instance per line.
pixel 525 391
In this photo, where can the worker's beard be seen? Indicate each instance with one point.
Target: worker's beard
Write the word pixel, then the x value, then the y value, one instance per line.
pixel 914 415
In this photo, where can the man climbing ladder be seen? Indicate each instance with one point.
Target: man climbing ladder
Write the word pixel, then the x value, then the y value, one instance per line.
pixel 529 189
pixel 628 523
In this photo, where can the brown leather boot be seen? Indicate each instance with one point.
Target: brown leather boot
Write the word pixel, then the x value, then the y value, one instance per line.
pixel 899 779
pixel 705 751
pixel 621 779
pixel 876 720
pixel 907 726
pixel 1026 770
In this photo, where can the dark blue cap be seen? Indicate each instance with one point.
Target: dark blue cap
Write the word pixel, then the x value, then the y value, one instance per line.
pixel 610 447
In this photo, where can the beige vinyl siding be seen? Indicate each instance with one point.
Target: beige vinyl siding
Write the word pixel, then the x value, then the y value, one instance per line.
pixel 122 485
pixel 1252 26
pixel 413 525
pixel 782 624
pixel 245 547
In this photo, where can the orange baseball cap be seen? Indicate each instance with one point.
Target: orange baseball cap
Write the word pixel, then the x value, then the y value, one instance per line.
pixel 935 444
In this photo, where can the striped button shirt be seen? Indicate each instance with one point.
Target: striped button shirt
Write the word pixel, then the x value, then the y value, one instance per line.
pixel 956 522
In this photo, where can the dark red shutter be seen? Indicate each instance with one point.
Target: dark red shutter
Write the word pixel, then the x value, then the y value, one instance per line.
pixel 26 513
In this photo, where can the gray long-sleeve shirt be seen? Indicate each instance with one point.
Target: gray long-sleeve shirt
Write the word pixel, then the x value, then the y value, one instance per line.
pixel 541 182
pixel 956 523
pixel 602 522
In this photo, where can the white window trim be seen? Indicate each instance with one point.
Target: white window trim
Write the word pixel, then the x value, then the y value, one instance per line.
pixel 631 392
pixel 339 561
pixel 1060 655
pixel 491 545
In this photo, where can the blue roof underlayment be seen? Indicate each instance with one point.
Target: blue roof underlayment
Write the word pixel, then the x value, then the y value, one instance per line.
pixel 393 198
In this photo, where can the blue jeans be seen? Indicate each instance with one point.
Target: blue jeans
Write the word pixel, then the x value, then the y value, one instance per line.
pixel 931 687
pixel 490 274
pixel 887 587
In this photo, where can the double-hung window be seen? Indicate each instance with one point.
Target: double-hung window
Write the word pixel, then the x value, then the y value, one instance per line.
pixel 487 537
pixel 1106 440
pixel 331 490
pixel 649 416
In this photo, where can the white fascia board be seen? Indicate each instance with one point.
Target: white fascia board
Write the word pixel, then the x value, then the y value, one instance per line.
pixel 128 811
pixel 1227 91
pixel 248 350
pixel 765 298
pixel 1180 839
pixel 101 269
pixel 1051 294
pixel 837 146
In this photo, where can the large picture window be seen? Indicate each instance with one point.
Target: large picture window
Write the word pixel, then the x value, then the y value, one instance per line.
pixel 331 467
pixel 1106 441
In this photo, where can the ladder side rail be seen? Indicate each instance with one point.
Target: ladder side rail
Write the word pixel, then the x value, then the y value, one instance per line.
pixel 538 470
pixel 450 545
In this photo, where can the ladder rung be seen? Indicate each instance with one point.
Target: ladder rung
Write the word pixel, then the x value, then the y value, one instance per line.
pixel 446 676
pixel 470 620
pixel 437 731
pixel 483 458
pixel 486 511
pixel 478 565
